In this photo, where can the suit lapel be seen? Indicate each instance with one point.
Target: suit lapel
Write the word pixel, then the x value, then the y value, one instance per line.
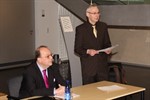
pixel 39 75
pixel 50 76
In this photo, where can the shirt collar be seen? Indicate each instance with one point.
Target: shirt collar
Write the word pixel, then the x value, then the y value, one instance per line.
pixel 41 69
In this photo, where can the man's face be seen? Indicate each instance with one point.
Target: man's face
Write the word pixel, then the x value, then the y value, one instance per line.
pixel 93 15
pixel 45 59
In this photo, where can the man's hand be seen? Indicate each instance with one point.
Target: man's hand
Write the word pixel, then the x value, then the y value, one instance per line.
pixel 92 52
pixel 60 91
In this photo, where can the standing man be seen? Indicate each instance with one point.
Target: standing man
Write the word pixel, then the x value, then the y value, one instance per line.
pixel 41 77
pixel 90 37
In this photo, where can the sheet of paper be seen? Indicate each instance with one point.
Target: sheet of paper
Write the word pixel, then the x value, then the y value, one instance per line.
pixel 110 88
pixel 73 96
pixel 66 24
pixel 109 48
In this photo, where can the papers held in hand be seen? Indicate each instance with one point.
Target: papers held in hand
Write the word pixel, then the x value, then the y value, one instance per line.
pixel 109 48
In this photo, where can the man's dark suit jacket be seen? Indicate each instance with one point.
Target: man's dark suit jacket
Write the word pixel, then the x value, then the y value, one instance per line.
pixel 33 83
pixel 85 39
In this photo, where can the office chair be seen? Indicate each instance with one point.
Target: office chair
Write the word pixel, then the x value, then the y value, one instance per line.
pixel 14 87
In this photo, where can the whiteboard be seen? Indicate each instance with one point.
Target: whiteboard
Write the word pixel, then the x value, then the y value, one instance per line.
pixel 134 46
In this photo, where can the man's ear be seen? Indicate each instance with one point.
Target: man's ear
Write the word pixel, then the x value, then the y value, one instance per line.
pixel 87 14
pixel 39 59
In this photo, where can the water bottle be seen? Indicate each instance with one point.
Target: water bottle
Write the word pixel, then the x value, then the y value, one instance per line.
pixel 67 91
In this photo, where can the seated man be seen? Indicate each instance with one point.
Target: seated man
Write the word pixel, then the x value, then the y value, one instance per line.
pixel 42 78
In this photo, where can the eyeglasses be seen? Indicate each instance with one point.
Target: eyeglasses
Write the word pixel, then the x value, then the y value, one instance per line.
pixel 94 13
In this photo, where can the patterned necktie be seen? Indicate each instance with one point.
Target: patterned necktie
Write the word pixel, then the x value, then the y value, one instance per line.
pixel 94 31
pixel 45 79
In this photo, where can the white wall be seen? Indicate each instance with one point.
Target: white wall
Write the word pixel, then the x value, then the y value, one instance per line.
pixel 46 28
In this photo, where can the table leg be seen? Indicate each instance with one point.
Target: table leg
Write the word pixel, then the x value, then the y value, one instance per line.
pixel 142 95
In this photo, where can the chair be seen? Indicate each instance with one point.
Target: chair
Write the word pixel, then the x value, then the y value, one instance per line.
pixel 117 72
pixel 14 87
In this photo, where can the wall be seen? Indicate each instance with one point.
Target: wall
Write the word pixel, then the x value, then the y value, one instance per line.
pixel 128 15
pixel 46 24
pixel 16 32
pixel 134 46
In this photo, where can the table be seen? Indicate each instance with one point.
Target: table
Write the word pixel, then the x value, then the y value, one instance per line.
pixel 3 96
pixel 90 91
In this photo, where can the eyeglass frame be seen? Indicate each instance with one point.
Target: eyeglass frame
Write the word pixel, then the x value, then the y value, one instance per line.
pixel 94 13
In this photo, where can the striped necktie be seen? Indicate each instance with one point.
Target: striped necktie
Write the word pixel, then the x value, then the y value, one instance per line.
pixel 94 31
pixel 45 79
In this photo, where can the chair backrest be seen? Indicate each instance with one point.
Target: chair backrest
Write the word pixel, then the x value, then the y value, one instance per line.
pixel 117 73
pixel 14 85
